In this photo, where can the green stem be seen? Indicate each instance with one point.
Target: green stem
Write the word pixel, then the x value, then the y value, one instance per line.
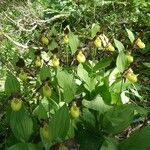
pixel 67 55
pixel 120 91
pixel 54 102
pixel 59 94
pixel 94 11
pixel 49 107
pixel 94 54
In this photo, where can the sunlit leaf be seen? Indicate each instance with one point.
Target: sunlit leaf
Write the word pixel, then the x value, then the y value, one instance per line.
pixel 11 84
pixel 73 42
pixel 130 35
pixel 96 104
pixel 67 82
pixel 121 62
pixel 119 45
pixel 95 28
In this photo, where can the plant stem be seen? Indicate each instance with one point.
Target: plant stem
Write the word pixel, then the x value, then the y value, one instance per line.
pixel 120 91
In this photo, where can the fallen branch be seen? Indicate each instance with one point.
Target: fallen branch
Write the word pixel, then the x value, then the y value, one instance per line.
pixel 15 42
pixel 24 46
pixel 53 18
pixel 21 28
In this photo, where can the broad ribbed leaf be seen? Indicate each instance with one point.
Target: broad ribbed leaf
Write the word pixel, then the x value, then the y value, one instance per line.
pixel 83 74
pixel 122 62
pixel 23 146
pixel 73 42
pixel 21 124
pixel 139 140
pixel 45 72
pixel 40 111
pixel 11 84
pixel 59 125
pixel 130 35
pixel 102 64
pixel 118 118
pixel 119 45
pixel 95 28
pixel 87 139
pixel 53 45
pixel 109 144
pixel 66 81
pixel 96 104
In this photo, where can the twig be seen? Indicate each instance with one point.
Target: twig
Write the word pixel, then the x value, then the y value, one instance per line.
pixel 15 42
pixel 24 46
pixel 19 25
pixel 53 18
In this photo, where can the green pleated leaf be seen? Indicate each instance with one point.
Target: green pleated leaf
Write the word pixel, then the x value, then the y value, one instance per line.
pixel 109 144
pixel 59 125
pixel 88 116
pixel 96 104
pixel 83 74
pixel 40 111
pixel 130 35
pixel 66 81
pixel 102 64
pixel 118 118
pixel 90 83
pixel 119 45
pixel 21 125
pixel 139 140
pixel 71 131
pixel 23 146
pixel 11 84
pixel 121 62
pixel 88 140
pixel 45 72
pixel 95 28
pixel 53 45
pixel 73 42
pixel 104 92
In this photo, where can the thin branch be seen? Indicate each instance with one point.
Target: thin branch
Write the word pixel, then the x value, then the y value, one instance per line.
pixel 27 30
pixel 19 25
pixel 15 42
pixel 24 46
pixel 53 18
